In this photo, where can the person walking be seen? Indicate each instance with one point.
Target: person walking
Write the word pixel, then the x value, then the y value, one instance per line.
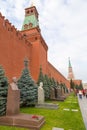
pixel 83 91
pixel 80 94
pixel 86 93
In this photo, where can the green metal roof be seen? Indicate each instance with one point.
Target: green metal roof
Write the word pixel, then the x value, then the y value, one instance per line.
pixel 30 19
pixel 69 63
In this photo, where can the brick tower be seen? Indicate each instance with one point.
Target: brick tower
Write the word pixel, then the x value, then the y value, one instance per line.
pixel 70 72
pixel 31 18
pixel 31 31
pixel 16 45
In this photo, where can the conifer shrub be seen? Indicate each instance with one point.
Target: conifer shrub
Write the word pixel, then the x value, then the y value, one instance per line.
pixel 40 77
pixel 46 83
pixel 3 91
pixel 28 88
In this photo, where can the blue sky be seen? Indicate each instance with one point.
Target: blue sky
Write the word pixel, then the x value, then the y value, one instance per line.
pixel 63 25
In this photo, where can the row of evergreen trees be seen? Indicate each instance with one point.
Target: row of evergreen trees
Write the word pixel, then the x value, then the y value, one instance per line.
pixel 3 91
pixel 28 88
pixel 49 83
pixel 75 86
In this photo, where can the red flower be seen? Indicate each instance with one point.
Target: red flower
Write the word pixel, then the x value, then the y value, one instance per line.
pixel 35 117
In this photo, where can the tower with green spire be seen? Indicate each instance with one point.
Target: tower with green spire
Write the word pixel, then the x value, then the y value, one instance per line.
pixel 38 47
pixel 70 71
pixel 70 64
pixel 31 18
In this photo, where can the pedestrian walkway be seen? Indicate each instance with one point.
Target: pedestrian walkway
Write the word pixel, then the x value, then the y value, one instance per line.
pixel 83 108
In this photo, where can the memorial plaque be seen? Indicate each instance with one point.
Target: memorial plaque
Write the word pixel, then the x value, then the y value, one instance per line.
pixel 52 93
pixel 14 117
pixel 13 100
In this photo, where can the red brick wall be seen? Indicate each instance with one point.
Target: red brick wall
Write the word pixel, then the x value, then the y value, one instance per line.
pixel 77 82
pixel 43 56
pixel 38 53
pixel 53 72
pixel 13 49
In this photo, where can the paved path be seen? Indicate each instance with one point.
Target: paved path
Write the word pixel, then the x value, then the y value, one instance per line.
pixel 83 108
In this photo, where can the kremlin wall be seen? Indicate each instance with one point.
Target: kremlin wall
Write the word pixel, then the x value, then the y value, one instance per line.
pixel 16 45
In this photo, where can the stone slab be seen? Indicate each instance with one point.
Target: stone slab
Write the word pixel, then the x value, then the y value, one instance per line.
pixel 23 120
pixel 66 109
pixel 55 128
pixel 58 99
pixel 52 93
pixel 75 110
pixel 75 102
pixel 71 102
pixel 47 105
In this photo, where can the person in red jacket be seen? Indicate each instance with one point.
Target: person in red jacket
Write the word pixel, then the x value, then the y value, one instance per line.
pixel 83 91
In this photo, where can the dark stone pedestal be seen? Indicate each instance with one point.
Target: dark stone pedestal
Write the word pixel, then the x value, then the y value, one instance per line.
pixel 56 94
pixel 13 100
pixel 14 117
pixel 23 120
pixel 52 93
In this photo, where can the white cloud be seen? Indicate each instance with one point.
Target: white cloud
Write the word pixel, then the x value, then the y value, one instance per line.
pixel 63 25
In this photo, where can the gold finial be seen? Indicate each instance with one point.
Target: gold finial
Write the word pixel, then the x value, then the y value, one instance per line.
pixel 32 3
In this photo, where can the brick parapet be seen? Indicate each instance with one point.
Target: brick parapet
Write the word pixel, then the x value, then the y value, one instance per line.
pixel 15 45
pixel 11 28
pixel 53 72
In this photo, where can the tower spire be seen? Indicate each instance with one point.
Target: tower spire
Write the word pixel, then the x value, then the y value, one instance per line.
pixel 69 63
pixel 32 3
pixel 70 71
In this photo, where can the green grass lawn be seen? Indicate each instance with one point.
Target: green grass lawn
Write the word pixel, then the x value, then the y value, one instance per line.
pixel 69 120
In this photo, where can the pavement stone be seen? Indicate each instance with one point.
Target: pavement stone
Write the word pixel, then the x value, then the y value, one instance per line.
pixel 75 110
pixel 66 109
pixel 55 128
pixel 83 107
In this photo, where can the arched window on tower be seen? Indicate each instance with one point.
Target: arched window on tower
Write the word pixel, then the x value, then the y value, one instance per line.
pixel 28 12
pixel 30 25
pixel 25 26
pixel 31 11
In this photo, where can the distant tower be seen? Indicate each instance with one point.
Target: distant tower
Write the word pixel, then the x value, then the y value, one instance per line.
pixel 70 72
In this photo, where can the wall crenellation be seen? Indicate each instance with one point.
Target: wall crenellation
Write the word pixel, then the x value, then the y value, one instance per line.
pixel 11 28
pixel 15 45
pixel 1 16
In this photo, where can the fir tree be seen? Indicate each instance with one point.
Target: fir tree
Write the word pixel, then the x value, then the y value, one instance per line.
pixel 61 85
pixel 40 77
pixel 46 87
pixel 3 91
pixel 72 85
pixel 28 88
pixel 53 82
pixel 57 83
pixel 79 87
pixel 65 88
